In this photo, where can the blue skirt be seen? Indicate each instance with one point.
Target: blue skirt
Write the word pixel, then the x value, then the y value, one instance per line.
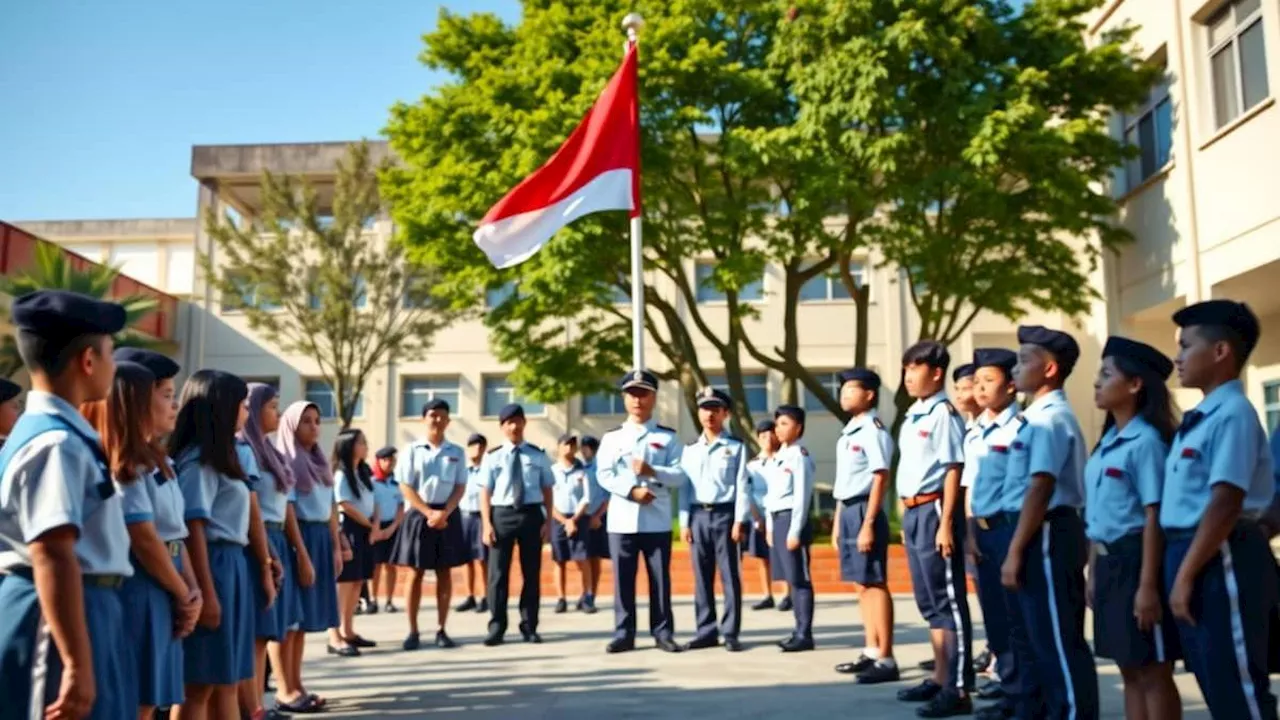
pixel 224 655
pixel 25 642
pixel 286 613
pixel 320 601
pixel 155 654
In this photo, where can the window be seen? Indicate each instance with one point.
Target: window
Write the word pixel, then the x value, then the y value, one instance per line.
pixel 1271 404
pixel 706 292
pixel 321 394
pixel 273 381
pixel 182 265
pixel 830 286
pixel 494 297
pixel 754 385
pixel 139 261
pixel 831 382
pixel 498 391
pixel 1150 130
pixel 1237 59
pixel 247 295
pixel 361 293
pixel 605 403
pixel 415 393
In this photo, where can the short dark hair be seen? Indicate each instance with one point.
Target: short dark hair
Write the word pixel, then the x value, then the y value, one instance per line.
pixel 210 406
pixel 51 356
pixel 1240 350
pixel 929 352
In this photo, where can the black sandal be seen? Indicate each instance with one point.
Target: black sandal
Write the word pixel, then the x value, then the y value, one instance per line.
pixel 304 705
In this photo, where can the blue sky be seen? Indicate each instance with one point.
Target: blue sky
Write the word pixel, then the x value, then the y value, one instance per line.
pixel 100 102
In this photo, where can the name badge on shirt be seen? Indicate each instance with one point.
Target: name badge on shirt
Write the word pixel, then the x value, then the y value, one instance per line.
pixel 924 433
pixel 856 448
pixel 1002 449
pixel 1019 445
pixel 656 445
pixel 1190 453
pixel 1112 472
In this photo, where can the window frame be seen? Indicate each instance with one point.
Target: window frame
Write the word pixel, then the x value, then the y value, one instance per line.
pixel 833 386
pixel 511 397
pixel 1131 122
pixel 721 299
pixel 242 301
pixel 1268 408
pixel 859 268
pixel 723 384
pixel 454 402
pixel 616 404
pixel 1231 43
pixel 306 396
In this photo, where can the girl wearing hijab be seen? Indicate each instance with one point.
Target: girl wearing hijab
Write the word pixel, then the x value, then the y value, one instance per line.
pixel 353 488
pixel 298 440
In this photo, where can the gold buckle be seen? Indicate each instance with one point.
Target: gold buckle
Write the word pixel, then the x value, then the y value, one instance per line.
pixel 175 548
pixel 1102 549
pixel 982 523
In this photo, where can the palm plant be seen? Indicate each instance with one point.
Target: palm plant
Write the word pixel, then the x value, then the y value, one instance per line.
pixel 53 270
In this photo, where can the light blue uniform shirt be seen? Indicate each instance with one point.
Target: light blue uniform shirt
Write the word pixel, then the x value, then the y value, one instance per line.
pixel 932 442
pixel 366 503
pixel 1048 443
pixel 56 480
pixel 863 449
pixel 386 493
pixel 790 477
pixel 271 501
pixel 986 459
pixel 757 483
pixel 535 473
pixel 314 506
pixel 159 503
pixel 1225 443
pixel 475 483
pixel 717 474
pixel 222 502
pixel 657 445
pixel 432 472
pixel 571 489
pixel 1124 475
pixel 596 496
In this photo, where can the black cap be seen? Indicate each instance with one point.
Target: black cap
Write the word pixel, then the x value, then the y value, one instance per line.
pixel 709 397
pixel 868 379
pixel 995 357
pixel 1062 345
pixel 60 314
pixel 590 441
pixel 964 371
pixel 386 452
pixel 435 404
pixel 764 426
pixel 642 379
pixel 9 390
pixel 1151 360
pixel 1226 313
pixel 477 439
pixel 510 412
pixel 795 412
pixel 162 366
pixel 567 438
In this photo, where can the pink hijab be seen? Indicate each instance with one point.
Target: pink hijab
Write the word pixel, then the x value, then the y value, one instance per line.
pixel 309 465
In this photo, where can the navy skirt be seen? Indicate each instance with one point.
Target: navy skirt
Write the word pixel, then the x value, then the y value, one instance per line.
pixel 155 654
pixel 360 567
pixel 285 614
pixel 756 544
pixel 320 601
pixel 224 655
pixel 382 550
pixel 424 548
pixel 598 539
pixel 472 537
pixel 1116 635
pixel 565 548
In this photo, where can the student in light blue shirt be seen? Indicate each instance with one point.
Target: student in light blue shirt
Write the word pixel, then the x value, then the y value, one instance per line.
pixel 756 543
pixel 570 531
pixel 598 513
pixel 390 501
pixel 1218 481
pixel 1124 479
pixel 788 501
pixel 360 523
pixel 474 552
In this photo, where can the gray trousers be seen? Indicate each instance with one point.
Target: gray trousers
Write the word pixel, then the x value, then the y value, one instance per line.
pixel 713 548
pixel 625 551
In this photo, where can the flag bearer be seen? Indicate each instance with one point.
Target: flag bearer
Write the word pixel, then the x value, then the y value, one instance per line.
pixel 713 511
pixel 67 553
pixel 789 499
pixel 756 543
pixel 1044 485
pixel 1217 566
pixel 474 551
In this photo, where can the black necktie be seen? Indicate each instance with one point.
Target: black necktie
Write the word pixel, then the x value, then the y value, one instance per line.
pixel 517 477
pixel 1189 421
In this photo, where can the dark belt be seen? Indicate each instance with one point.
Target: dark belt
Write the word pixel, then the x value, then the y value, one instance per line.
pixel 1238 531
pixel 272 525
pixel 106 582
pixel 713 507
pixel 916 501
pixel 313 522
pixel 1115 546
pixel 523 508
pixel 1000 519
pixel 854 500
pixel 175 548
pixel 776 513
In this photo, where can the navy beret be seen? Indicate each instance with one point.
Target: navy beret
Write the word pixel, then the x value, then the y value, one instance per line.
pixel 995 357
pixel 386 452
pixel 714 397
pixel 162 366
pixel 590 441
pixel 61 314
pixel 764 426
pixel 867 378
pixel 477 439
pixel 566 438
pixel 1148 358
pixel 510 412
pixel 436 404
pixel 795 412
pixel 964 371
pixel 639 379
pixel 9 390
pixel 1226 313
pixel 1062 345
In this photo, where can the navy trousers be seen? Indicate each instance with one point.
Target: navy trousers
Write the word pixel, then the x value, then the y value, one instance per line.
pixel 713 548
pixel 1231 603
pixel 1052 600
pixel 795 570
pixel 516 527
pixel 626 551
pixel 940 588
pixel 1002 616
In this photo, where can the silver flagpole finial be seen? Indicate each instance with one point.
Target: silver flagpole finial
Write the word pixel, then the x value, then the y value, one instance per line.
pixel 632 24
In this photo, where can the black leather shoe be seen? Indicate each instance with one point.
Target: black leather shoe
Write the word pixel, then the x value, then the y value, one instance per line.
pixel 371 608
pixel 862 663
pixel 562 606
pixel 465 605
pixel 732 645
pixel 924 692
pixel 946 704
pixel 786 640
pixel 785 605
pixel 990 690
pixel 796 644
pixel 877 674
pixel 412 642
pixel 667 645
pixel 444 641
pixel 620 645
pixel 700 643
pixel 993 712
pixel 347 651
pixel 530 635
pixel 493 639
pixel 482 606
pixel 390 607
pixel 359 642
pixel 926 665
pixel 765 604
pixel 589 607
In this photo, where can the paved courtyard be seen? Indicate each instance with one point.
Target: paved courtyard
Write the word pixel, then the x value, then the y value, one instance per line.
pixel 569 676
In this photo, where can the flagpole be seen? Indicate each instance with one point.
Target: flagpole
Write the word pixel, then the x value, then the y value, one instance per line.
pixel 632 24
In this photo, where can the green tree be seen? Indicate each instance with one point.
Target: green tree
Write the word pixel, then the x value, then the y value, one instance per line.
pixel 53 269
pixel 308 275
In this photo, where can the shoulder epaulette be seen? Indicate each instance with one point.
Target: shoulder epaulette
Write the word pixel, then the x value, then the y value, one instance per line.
pixel 879 425
pixel 494 450
pixel 804 451
pixel 664 427
pixel 615 428
pixel 1020 418
pixel 535 447
pixel 951 408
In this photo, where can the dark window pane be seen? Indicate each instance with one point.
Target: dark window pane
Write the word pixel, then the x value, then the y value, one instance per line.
pixel 1164 132
pixel 1147 144
pixel 1226 101
pixel 1253 65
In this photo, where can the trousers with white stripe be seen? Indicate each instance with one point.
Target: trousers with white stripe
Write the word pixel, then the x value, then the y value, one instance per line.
pixel 940 587
pixel 1231 603
pixel 1053 605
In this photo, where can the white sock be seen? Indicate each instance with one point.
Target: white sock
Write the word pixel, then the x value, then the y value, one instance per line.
pixel 872 653
pixel 886 662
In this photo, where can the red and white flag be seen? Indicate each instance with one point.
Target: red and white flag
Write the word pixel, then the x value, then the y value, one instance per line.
pixel 597 169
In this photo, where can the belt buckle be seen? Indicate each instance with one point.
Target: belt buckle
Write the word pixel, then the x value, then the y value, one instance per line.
pixel 1102 549
pixel 708 507
pixel 175 548
pixel 982 523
